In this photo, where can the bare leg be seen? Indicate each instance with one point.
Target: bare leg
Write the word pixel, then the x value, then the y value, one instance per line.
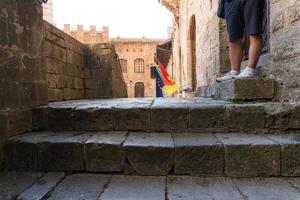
pixel 236 55
pixel 254 50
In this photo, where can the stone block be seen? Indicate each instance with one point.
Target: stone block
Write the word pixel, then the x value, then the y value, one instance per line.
pixel 55 52
pixel 94 119
pixel 40 119
pixel 283 117
pixel 198 154
pixel 192 188
pixel 19 121
pixel 266 188
pixel 69 70
pixel 169 116
pixel 3 31
pixel 290 154
pixel 42 186
pixel 10 67
pixel 14 183
pixel 103 152
pixel 82 186
pixel 245 118
pixel 9 94
pixel 21 152
pixel 68 82
pixel 249 155
pixel 246 89
pixel 29 94
pixel 78 83
pixel 55 66
pixel 135 187
pixel 62 152
pixel 70 94
pixel 208 118
pixel 92 84
pixel 3 126
pixel 134 116
pixel 150 154
pixel 61 119
pixel 55 95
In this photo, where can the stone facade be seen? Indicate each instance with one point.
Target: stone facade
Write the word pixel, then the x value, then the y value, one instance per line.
pixel 22 75
pixel 129 51
pixel 199 42
pixel 91 36
pixel 48 11
pixel 200 49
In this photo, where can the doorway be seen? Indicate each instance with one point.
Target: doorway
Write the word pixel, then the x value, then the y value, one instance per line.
pixel 139 90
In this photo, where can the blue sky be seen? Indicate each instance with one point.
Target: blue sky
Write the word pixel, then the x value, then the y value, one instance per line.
pixel 125 18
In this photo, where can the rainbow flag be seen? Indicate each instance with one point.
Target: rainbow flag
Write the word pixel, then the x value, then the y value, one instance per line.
pixel 170 86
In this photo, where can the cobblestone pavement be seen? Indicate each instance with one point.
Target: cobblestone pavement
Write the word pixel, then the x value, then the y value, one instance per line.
pixel 59 186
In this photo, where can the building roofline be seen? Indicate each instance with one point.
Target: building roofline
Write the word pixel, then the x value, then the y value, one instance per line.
pixel 137 40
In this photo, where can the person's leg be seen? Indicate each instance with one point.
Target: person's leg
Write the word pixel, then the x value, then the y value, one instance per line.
pixel 254 50
pixel 253 12
pixel 236 54
pixel 235 29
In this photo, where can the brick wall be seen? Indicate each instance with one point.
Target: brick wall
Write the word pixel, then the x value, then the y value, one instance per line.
pixel 22 75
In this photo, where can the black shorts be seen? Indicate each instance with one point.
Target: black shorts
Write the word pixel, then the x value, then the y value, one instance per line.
pixel 244 16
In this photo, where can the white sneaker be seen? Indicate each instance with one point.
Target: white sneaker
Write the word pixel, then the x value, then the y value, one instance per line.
pixel 226 77
pixel 247 73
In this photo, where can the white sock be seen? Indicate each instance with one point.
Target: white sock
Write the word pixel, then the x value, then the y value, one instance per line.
pixel 234 72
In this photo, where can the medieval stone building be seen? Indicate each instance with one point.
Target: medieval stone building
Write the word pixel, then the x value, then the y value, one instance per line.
pixel 200 50
pixel 136 56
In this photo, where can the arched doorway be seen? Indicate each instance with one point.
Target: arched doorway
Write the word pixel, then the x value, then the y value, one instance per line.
pixel 192 71
pixel 139 90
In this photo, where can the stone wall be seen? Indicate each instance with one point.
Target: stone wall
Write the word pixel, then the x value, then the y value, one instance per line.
pixel 22 75
pixel 104 77
pixel 211 43
pixel 78 71
pixel 285 47
pixel 65 61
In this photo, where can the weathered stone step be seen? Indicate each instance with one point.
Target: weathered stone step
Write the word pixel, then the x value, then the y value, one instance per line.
pixel 234 155
pixel 56 186
pixel 241 89
pixel 166 115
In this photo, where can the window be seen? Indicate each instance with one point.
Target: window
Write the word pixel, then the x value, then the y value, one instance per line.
pixel 123 64
pixel 139 65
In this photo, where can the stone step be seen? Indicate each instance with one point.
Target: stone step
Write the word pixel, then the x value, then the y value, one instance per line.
pixel 78 186
pixel 251 89
pixel 156 154
pixel 166 115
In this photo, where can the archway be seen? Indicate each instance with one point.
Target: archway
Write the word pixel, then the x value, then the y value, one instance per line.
pixel 139 90
pixel 191 42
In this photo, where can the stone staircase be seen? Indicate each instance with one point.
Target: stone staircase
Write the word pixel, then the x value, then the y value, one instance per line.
pixel 164 136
